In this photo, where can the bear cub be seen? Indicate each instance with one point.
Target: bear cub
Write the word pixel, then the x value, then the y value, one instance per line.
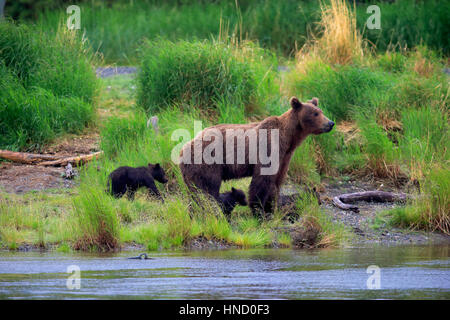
pixel 126 180
pixel 230 199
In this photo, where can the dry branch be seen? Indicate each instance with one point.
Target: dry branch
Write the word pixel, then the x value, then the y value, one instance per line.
pixel 342 201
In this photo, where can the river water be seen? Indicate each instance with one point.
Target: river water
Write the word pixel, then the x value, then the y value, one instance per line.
pixel 400 272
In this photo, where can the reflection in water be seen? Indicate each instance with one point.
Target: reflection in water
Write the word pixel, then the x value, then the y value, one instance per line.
pixel 406 272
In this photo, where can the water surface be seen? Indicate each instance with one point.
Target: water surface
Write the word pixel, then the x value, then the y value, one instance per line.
pixel 406 272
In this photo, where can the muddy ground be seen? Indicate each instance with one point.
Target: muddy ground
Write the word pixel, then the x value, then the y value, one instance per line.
pixel 20 178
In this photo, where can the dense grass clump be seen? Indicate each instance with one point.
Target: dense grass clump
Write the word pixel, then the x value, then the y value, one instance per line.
pixel 47 86
pixel 344 91
pixel 429 211
pixel 201 74
pixel 31 118
pixel 96 221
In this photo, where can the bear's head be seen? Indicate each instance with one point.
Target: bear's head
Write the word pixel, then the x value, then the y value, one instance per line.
pixel 309 117
pixel 157 172
pixel 239 196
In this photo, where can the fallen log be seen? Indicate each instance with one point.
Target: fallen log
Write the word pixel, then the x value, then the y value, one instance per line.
pixel 46 159
pixel 27 158
pixel 73 160
pixel 342 201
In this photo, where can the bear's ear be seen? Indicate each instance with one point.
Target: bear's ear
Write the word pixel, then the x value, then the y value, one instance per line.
pixel 233 189
pixel 157 166
pixel 295 103
pixel 315 101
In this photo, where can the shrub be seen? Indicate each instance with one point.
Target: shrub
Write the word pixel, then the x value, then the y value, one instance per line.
pixel 116 28
pixel 407 23
pixel 60 64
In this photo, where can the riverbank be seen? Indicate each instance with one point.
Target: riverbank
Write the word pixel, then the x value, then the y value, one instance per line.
pixel 369 226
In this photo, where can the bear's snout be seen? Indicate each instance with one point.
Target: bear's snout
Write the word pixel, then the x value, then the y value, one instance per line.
pixel 329 126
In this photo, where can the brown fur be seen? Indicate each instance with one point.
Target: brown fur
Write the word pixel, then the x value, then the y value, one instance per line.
pixel 301 120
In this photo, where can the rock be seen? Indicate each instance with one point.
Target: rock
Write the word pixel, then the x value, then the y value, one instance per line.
pixel 306 235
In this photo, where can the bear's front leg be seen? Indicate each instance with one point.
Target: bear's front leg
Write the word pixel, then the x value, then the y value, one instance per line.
pixel 152 189
pixel 260 193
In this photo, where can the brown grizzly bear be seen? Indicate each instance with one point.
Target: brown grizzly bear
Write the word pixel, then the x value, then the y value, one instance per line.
pixel 210 157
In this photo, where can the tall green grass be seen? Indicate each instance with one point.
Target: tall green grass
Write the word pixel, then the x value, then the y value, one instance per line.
pixel 31 118
pixel 47 86
pixel 96 222
pixel 382 154
pixel 117 29
pixel 205 75
pixel 344 91
pixel 430 210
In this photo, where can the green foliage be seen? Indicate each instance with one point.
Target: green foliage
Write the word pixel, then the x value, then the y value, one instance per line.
pixel 382 155
pixel 303 168
pixel 392 62
pixel 59 63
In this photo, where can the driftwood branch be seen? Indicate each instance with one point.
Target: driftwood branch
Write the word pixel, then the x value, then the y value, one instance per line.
pixel 342 201
pixel 75 160
pixel 27 158
pixel 46 160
